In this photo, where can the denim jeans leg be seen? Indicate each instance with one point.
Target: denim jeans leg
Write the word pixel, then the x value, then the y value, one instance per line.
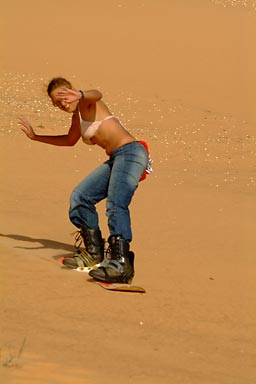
pixel 86 195
pixel 128 164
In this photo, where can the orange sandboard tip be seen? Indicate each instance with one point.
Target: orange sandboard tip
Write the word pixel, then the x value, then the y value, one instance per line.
pixel 121 287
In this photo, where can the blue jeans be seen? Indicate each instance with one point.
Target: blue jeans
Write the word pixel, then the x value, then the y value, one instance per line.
pixel 116 181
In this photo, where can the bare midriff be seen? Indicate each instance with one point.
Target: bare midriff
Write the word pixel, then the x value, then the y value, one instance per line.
pixel 112 135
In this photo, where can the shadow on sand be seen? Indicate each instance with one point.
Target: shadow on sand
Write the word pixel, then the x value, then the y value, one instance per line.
pixel 45 243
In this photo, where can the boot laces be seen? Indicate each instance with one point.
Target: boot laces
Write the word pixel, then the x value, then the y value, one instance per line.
pixel 85 257
pixel 81 253
pixel 86 253
pixel 78 239
pixel 108 253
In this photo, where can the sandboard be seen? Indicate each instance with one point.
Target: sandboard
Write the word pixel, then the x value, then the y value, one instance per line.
pixel 121 287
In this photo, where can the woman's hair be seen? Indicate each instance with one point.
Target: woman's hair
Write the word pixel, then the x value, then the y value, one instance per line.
pixel 58 82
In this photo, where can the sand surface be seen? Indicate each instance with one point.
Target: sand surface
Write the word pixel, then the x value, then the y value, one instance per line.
pixel 180 75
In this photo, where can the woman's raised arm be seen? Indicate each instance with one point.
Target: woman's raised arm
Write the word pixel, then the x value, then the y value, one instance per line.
pixel 69 95
pixel 60 140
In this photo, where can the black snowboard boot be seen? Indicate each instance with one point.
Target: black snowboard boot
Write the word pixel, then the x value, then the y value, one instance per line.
pixel 93 252
pixel 120 268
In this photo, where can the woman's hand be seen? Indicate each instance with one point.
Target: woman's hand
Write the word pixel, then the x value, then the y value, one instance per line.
pixel 68 95
pixel 26 127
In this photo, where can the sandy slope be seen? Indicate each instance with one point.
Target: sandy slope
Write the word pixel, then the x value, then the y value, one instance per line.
pixel 182 77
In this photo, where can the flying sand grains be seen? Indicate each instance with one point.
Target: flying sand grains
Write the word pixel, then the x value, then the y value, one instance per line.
pixel 248 4
pixel 201 142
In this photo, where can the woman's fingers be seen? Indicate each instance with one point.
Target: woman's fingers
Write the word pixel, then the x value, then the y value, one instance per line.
pixel 26 127
pixel 61 91
pixel 23 121
pixel 67 95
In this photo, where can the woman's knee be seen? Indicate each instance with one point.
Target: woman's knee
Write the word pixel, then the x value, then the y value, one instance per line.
pixel 75 198
pixel 78 198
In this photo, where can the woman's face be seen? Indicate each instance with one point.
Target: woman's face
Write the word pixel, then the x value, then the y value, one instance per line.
pixel 59 103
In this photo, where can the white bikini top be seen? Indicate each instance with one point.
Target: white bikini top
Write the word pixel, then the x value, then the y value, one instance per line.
pixel 89 128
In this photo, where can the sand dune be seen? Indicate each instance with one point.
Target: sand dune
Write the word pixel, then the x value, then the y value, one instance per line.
pixel 180 75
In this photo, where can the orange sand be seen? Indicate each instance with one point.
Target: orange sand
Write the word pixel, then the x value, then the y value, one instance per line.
pixel 180 75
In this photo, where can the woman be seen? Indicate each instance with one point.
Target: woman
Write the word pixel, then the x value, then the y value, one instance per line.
pixel 116 179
